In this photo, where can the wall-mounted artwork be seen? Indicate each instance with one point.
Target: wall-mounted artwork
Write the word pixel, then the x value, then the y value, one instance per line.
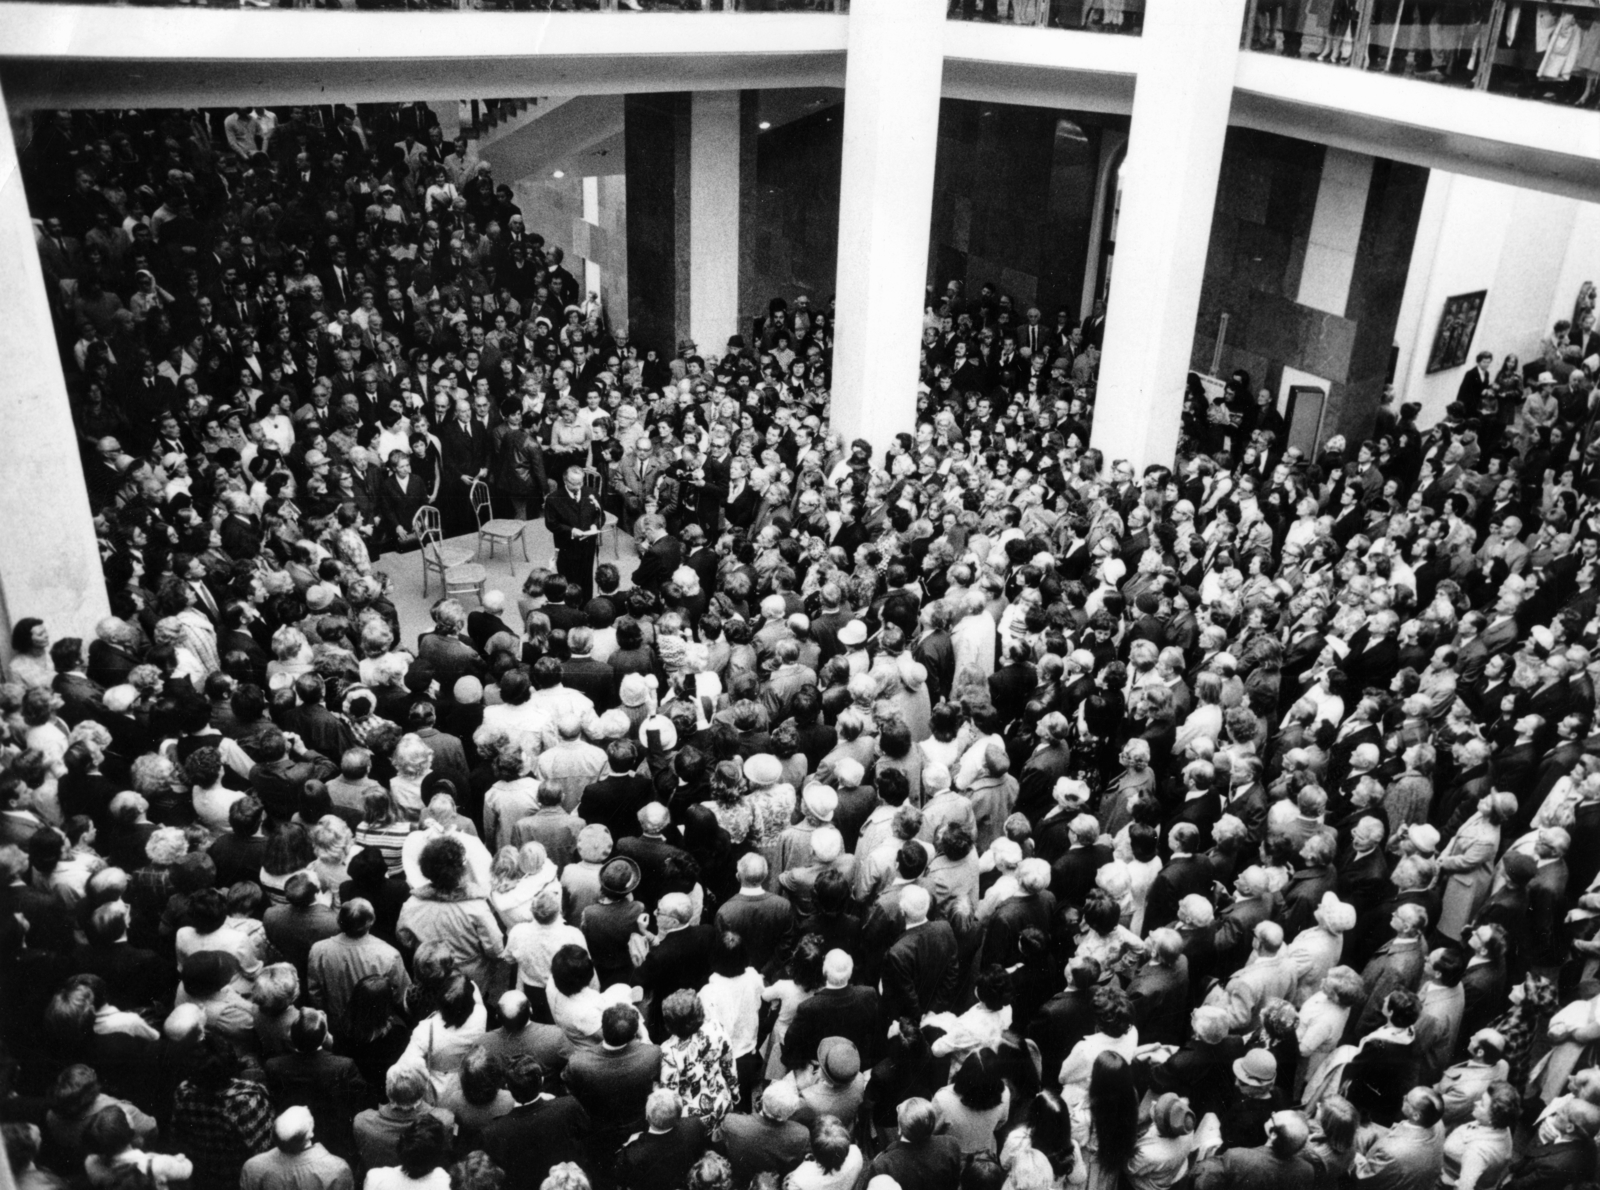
pixel 1457 325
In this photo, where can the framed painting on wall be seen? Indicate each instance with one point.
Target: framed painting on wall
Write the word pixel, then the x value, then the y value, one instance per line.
pixel 1457 325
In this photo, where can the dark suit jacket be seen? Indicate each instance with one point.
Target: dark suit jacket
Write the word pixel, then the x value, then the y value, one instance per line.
pixel 680 960
pixel 1072 876
pixel 1203 1073
pixel 1554 1166
pixel 533 1137
pixel 851 1012
pixel 481 625
pixel 614 801
pixel 938 657
pixel 462 452
pixel 660 559
pixel 1184 875
pixel 563 514
pixel 1160 1000
pixel 612 1086
pixel 1066 1019
pixel 1547 893
pixel 1363 882
pixel 920 971
pixel 661 1160
pixel 1303 895
pixel 108 665
pixel 1010 687
pixel 80 697
pixel 594 679
pixel 1513 771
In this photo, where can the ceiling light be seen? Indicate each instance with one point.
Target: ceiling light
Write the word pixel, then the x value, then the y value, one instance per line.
pixel 559 174
pixel 764 125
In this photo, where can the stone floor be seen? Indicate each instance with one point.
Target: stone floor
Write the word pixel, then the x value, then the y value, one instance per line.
pixel 505 573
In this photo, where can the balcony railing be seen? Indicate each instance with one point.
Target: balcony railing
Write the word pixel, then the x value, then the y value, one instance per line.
pixel 685 6
pixel 1547 51
pixel 1099 16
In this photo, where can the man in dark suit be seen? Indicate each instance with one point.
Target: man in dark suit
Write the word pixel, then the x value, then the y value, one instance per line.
pixel 840 1009
pixel 763 919
pixel 1183 874
pixel 488 620
pixel 651 851
pixel 1159 993
pixel 681 957
pixel 1364 873
pixel 1066 1018
pixel 920 969
pixel 1476 382
pixel 700 557
pixel 575 520
pixel 1547 893
pixel 80 697
pixel 662 554
pixel 933 649
pixel 339 284
pixel 1094 326
pixel 111 656
pixel 662 1155
pixel 1013 683
pixel 612 1081
pixel 1568 1158
pixel 594 679
pixel 1513 769
pixel 464 456
pixel 1247 797
pixel 1073 875
pixel 614 800
pixel 320 728
pixel 1034 909
pixel 538 1133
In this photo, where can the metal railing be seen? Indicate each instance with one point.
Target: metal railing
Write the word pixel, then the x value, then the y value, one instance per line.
pixel 1549 50
pixel 579 6
pixel 1100 16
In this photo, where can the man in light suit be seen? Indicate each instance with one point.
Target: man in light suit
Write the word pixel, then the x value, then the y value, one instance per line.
pixel 1411 1153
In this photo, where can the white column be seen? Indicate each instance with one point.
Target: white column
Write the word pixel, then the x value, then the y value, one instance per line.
pixel 1169 185
pixel 894 68
pixel 49 562
pixel 713 219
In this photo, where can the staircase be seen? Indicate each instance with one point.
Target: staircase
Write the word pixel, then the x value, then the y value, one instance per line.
pixel 484 121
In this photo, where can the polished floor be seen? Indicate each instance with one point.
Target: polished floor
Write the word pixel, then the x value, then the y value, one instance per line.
pixel 506 570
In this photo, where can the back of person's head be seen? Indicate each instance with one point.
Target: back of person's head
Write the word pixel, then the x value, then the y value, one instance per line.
pixel 457 1001
pixel 1287 1133
pixel 524 1078
pixel 405 1084
pixel 108 1132
pixel 830 1143
pixel 728 954
pixel 663 1109
pixel 917 1118
pixel 619 1025
pixel 424 1146
pixel 309 1031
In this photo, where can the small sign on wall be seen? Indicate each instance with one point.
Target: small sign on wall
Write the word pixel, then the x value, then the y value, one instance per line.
pixel 1457 325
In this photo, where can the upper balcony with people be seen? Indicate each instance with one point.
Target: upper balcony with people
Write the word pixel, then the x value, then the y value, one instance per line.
pixel 1547 51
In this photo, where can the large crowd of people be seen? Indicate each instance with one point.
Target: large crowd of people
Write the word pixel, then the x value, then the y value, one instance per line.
pixel 983 813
